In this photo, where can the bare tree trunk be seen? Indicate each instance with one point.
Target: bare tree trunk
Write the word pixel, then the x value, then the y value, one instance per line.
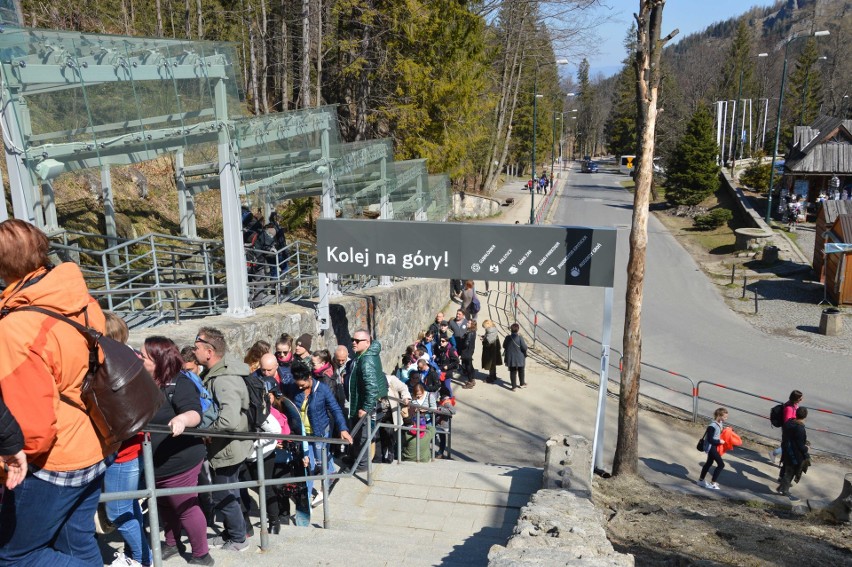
pixel 362 88
pixel 647 61
pixel 264 59
pixel 187 19
pixel 125 15
pixel 285 66
pixel 255 99
pixel 200 19
pixel 318 40
pixel 503 128
pixel 159 18
pixel 305 78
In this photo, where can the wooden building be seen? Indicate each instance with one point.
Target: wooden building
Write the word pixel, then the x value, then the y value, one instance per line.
pixel 838 267
pixel 821 153
pixel 827 215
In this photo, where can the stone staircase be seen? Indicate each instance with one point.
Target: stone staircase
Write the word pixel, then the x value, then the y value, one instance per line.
pixel 446 512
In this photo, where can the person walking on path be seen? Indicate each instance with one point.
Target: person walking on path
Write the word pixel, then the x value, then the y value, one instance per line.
pixel 790 407
pixel 491 358
pixel 794 451
pixel 712 440
pixel 515 354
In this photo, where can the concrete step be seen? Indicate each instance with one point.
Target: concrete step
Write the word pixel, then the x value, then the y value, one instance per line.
pixel 446 512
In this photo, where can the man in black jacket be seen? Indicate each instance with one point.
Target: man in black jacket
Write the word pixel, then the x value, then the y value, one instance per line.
pixel 794 451
pixel 11 448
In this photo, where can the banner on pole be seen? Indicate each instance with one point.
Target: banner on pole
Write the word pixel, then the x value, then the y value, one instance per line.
pixel 559 255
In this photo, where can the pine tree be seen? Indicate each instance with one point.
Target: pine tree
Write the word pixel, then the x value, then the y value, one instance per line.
pixel 738 62
pixel 805 91
pixel 620 127
pixel 693 174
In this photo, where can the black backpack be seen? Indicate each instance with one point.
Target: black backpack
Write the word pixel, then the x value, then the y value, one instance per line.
pixel 258 409
pixel 776 415
pixel 431 382
pixel 119 395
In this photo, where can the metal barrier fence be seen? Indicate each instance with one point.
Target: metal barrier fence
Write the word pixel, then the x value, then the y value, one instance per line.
pixel 151 492
pixel 828 430
pixel 161 278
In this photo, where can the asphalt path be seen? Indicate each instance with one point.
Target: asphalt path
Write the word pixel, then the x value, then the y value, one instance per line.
pixel 687 328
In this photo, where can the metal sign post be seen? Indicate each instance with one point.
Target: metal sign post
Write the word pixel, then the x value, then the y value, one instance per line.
pixel 561 255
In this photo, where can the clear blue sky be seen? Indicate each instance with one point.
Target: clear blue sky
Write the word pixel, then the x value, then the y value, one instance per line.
pixel 689 16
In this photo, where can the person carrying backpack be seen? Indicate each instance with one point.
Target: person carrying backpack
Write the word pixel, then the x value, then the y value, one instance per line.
pixel 788 412
pixel 224 379
pixel 50 520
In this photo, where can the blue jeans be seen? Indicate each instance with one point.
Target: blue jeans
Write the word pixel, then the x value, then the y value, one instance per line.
pixel 127 514
pixel 46 524
pixel 315 457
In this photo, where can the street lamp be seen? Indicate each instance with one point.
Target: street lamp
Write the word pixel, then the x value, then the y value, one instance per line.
pixel 778 122
pixel 552 150
pixel 738 133
pixel 535 126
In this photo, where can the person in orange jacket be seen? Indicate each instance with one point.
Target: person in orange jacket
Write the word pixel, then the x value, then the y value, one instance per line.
pixel 48 519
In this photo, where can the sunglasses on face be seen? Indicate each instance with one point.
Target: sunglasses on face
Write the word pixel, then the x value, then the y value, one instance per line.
pixel 281 353
pixel 359 340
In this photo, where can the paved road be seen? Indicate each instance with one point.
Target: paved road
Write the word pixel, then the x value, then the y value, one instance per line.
pixel 686 325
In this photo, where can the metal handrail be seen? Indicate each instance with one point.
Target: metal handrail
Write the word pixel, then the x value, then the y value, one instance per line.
pixel 152 492
pixel 523 312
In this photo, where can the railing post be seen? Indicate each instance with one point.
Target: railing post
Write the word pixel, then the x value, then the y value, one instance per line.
pixel 570 349
pixel 399 433
pixel 326 487
pixel 417 434
pixel 153 513
pixel 535 327
pixel 369 425
pixel 261 491
pixel 450 436
pixel 176 306
pixel 695 394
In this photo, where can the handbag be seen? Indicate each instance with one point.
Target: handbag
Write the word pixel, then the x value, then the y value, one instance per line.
pixel 119 395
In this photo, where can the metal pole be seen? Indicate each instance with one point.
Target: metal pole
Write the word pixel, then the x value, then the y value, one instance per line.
pixel 326 486
pixel 261 492
pixel 777 133
pixel 153 514
pixel 737 137
pixel 606 334
pixel 535 111
pixel 552 146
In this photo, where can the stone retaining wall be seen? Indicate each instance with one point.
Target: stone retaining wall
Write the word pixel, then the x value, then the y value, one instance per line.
pixel 395 315
pixel 466 205
pixel 560 525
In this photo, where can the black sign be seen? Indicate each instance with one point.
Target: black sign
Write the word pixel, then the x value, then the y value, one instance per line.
pixel 518 253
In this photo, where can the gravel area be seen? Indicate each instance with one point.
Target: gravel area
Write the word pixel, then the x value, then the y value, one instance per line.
pixel 789 301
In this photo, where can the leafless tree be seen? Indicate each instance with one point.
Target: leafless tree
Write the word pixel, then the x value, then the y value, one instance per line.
pixel 649 49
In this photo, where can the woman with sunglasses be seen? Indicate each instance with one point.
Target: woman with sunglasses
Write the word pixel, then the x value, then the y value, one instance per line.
pixel 284 355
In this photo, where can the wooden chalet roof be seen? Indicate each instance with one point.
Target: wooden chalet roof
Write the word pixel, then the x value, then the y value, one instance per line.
pixel 844 227
pixel 823 147
pixel 833 209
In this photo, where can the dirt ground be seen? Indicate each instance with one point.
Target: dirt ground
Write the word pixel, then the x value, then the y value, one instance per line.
pixel 662 528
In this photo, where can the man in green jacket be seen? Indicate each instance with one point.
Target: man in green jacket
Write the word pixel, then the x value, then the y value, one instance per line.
pixel 223 378
pixel 367 385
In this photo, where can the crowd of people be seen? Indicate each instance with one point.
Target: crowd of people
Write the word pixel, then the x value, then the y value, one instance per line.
pixel 56 464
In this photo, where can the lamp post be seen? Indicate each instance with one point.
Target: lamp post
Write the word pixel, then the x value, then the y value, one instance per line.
pixel 535 126
pixel 738 133
pixel 560 116
pixel 778 122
